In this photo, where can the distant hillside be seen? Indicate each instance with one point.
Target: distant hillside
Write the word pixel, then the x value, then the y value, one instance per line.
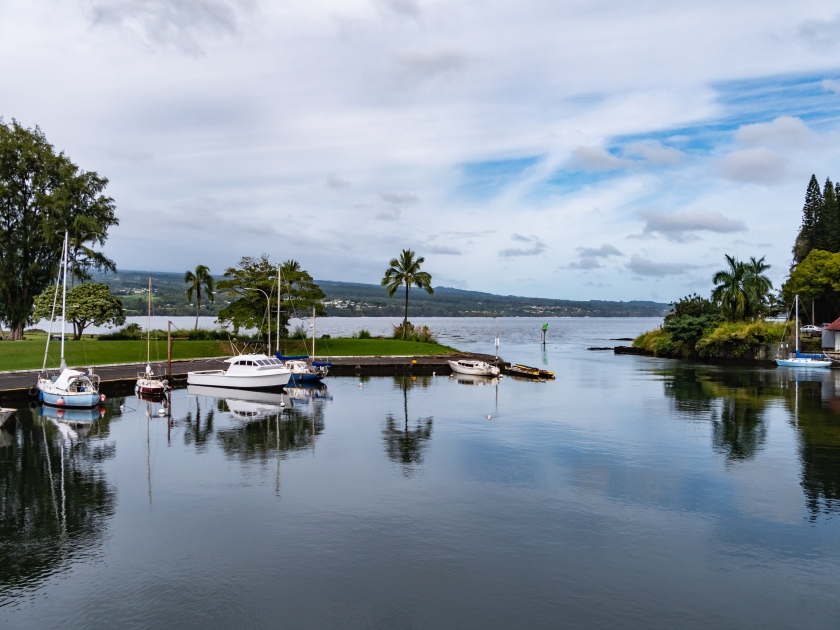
pixel 350 299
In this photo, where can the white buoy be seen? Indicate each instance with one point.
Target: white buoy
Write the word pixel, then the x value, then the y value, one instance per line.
pixel 433 373
pixel 122 408
pixel 360 386
pixel 489 417
pixel 161 412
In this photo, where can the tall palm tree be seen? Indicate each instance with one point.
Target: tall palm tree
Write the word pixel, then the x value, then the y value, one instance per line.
pixel 198 280
pixel 405 270
pixel 742 290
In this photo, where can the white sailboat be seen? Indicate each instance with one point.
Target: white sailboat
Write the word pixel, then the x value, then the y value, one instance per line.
pixel 148 382
pixel 799 361
pixel 70 388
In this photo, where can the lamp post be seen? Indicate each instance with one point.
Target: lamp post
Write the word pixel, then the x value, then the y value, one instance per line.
pixel 267 310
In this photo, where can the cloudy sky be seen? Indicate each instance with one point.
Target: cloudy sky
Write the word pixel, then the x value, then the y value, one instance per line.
pixel 574 149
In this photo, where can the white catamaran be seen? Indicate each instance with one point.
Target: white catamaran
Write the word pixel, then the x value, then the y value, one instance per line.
pixel 70 388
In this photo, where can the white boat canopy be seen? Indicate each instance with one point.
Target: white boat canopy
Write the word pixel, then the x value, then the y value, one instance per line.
pixel 66 377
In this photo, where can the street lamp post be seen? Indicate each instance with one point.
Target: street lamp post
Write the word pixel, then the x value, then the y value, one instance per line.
pixel 267 310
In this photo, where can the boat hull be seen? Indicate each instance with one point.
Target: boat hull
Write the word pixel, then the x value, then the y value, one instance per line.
pixel 803 363
pixel 82 400
pixel 304 378
pixel 490 370
pixel 221 378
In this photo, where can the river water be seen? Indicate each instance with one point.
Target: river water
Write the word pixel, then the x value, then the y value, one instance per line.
pixel 629 493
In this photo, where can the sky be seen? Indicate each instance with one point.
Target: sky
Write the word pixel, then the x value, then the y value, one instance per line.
pixel 576 149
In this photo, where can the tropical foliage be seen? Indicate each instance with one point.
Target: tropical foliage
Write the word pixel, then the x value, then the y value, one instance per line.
pixel 253 281
pixel 742 291
pixel 42 195
pixel 816 279
pixel 86 304
pixel 405 271
pixel 198 279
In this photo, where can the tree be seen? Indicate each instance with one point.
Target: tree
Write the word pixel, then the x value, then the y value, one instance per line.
pixel 690 318
pixel 816 278
pixel 198 279
pixel 42 194
pixel 828 235
pixel 742 290
pixel 405 270
pixel 811 212
pixel 255 278
pixel 87 304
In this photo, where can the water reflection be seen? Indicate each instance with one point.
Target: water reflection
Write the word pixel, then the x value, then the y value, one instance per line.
pixel 56 500
pixel 737 402
pixel 405 446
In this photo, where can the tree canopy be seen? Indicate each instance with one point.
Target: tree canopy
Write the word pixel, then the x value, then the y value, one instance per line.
pixel 255 279
pixel 42 195
pixel 742 291
pixel 196 280
pixel 816 278
pixel 87 304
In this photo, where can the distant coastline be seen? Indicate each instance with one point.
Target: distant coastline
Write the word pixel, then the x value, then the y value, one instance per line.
pixel 350 299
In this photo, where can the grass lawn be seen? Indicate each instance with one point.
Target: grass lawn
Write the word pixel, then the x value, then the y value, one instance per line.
pixel 29 354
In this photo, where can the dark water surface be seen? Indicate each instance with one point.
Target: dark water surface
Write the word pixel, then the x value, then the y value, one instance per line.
pixel 631 492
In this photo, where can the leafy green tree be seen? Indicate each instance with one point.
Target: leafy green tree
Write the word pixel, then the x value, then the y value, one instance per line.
pixel 811 212
pixel 255 278
pixel 742 291
pixel 42 194
pixel 828 227
pixel 690 319
pixel 87 304
pixel 198 279
pixel 816 278
pixel 405 270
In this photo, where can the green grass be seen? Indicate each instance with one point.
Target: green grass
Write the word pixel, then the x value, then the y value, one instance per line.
pixel 29 354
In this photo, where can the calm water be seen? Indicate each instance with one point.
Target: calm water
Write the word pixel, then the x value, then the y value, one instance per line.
pixel 631 492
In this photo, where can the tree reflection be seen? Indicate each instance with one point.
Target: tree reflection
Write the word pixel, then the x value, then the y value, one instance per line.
pixel 198 434
pixel 55 498
pixel 405 446
pixel 285 432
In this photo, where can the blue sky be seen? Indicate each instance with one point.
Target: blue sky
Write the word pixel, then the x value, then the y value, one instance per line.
pixel 584 150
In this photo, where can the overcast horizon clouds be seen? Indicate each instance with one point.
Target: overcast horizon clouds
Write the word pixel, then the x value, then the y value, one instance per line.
pixel 581 150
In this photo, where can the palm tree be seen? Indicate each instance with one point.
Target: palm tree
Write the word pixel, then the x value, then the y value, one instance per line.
pixel 198 279
pixel 406 270
pixel 742 290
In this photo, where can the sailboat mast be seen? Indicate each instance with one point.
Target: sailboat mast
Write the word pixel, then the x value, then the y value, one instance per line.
pixel 796 330
pixel 149 326
pixel 313 334
pixel 279 273
pixel 64 304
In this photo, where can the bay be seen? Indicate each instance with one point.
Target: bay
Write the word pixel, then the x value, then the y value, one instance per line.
pixel 630 492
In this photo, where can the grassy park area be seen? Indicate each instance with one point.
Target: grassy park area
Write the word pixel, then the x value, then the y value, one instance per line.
pixel 29 354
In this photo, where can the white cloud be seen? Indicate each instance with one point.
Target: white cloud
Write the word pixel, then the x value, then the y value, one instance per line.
pixel 645 267
pixel 784 132
pixel 680 227
pixel 536 247
pixel 336 183
pixel 589 256
pixel 414 66
pixel 654 152
pixel 754 166
pixel 597 159
pixel 445 250
pixel 402 8
pixel 821 34
pixel 831 85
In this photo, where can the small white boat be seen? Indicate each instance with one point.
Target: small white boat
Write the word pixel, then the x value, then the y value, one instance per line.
pixel 148 382
pixel 247 371
pixel 70 388
pixel 476 368
pixel 799 361
pixel 5 414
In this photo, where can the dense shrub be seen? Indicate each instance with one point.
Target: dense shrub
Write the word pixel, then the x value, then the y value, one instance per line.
pixel 736 339
pixel 407 332
pixel 363 334
pixel 690 319
pixel 130 331
pixel 658 342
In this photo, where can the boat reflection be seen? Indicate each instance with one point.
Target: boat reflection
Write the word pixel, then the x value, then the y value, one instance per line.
pixel 56 498
pixel 472 379
pixel 245 404
pixel 72 423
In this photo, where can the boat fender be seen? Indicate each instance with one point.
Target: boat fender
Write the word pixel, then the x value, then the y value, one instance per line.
pixel 33 391
pixel 59 402
pixel 101 397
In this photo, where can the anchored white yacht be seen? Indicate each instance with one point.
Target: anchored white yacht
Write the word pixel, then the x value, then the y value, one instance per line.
pixel 246 371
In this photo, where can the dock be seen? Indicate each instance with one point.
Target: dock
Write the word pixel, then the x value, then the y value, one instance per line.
pixel 120 379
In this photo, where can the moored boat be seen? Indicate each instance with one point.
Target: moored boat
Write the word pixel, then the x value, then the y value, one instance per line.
pixel 800 360
pixel 148 382
pixel 473 367
pixel 246 371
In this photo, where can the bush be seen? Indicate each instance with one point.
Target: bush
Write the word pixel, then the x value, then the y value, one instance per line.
pixel 363 334
pixel 129 332
pixel 659 342
pixel 737 338
pixel 298 333
pixel 407 332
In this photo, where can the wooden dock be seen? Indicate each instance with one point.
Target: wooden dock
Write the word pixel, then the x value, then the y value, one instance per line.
pixel 120 379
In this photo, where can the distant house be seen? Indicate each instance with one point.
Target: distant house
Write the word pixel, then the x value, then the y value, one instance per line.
pixel 831 336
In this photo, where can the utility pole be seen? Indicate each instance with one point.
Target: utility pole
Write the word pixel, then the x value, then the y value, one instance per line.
pixel 169 348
